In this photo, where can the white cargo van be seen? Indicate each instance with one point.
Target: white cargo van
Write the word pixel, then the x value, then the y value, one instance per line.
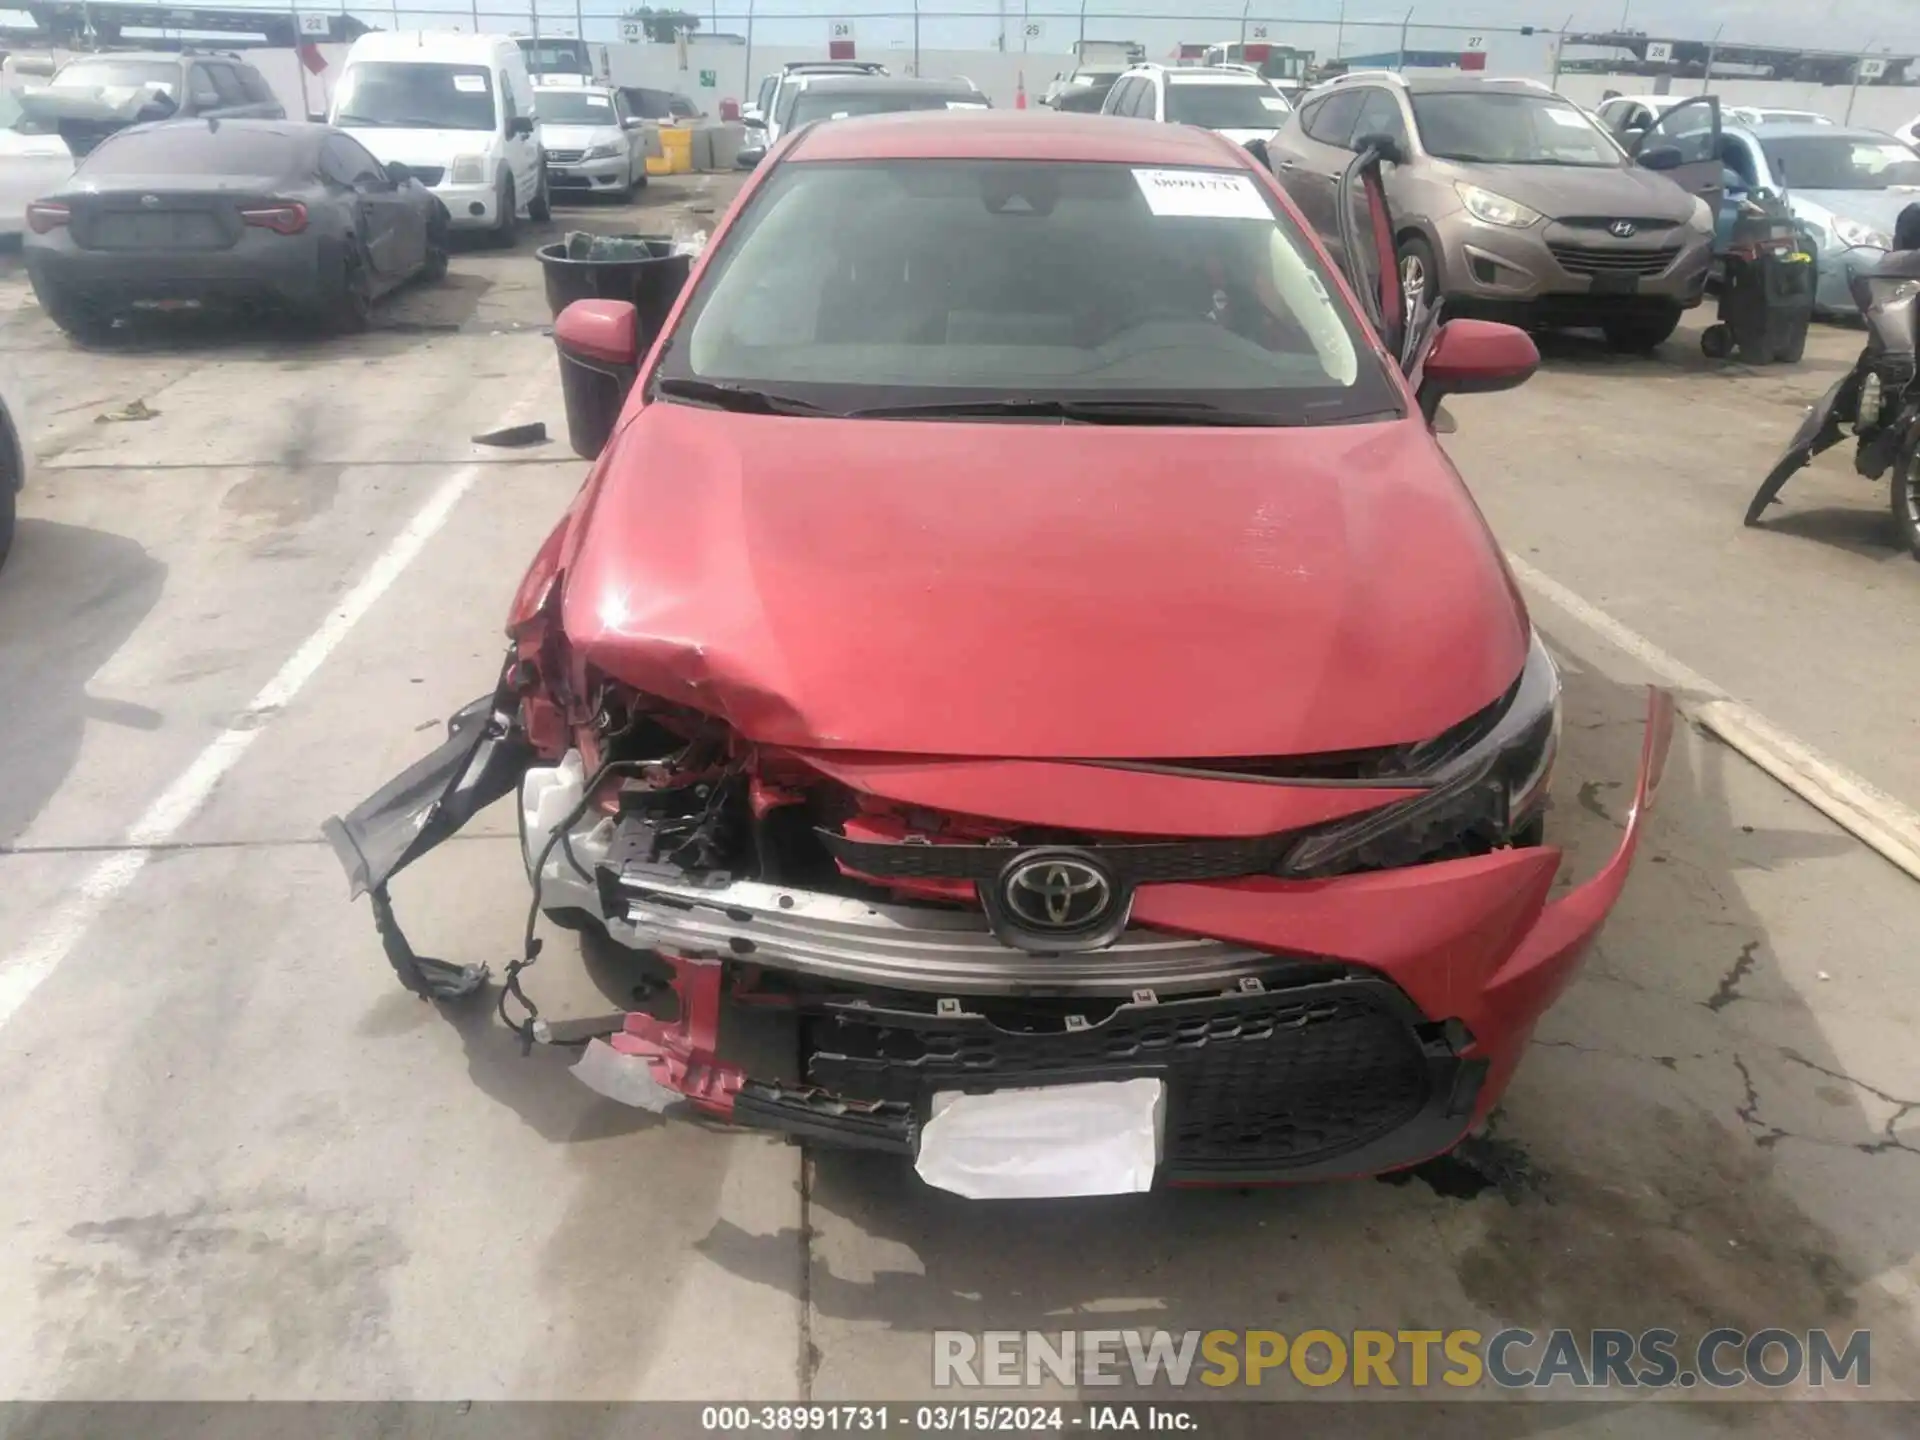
pixel 456 110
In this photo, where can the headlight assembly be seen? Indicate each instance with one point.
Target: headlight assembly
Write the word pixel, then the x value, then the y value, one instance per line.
pixel 1495 209
pixel 1485 790
pixel 601 152
pixel 1855 232
pixel 468 170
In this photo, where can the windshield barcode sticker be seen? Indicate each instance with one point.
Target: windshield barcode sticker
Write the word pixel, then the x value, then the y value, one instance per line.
pixel 470 84
pixel 1205 193
pixel 1572 119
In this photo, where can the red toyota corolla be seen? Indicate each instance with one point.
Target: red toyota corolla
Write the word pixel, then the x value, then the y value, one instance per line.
pixel 1026 685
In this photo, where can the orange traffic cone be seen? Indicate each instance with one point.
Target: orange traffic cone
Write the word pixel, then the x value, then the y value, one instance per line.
pixel 1020 90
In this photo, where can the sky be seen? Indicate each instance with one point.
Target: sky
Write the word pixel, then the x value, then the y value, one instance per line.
pixel 1370 25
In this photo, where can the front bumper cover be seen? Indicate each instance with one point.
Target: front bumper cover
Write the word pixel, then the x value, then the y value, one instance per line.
pixel 1305 1029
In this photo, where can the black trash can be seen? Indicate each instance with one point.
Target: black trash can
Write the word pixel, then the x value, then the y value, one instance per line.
pixel 639 268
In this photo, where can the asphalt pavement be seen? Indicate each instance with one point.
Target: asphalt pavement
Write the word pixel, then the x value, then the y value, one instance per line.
pixel 243 1163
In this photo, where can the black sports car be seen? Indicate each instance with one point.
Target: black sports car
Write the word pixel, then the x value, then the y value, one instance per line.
pixel 246 215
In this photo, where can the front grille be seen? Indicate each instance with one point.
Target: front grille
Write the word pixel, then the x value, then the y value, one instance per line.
pixel 1255 1082
pixel 1607 260
pixel 428 175
pixel 565 157
pixel 1163 863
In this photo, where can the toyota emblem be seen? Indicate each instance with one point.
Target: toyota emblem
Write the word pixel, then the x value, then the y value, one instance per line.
pixel 1057 892
pixel 1624 229
pixel 150 201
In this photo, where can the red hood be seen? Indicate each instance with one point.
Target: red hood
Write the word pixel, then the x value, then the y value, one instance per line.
pixel 1041 590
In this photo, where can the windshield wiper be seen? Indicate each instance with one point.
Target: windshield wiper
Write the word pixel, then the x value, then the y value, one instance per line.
pixel 726 395
pixel 1085 412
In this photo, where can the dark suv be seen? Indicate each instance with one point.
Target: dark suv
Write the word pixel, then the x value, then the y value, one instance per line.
pixel 91 96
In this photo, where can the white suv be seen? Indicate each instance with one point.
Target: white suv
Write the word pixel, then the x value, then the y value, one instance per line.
pixel 1227 98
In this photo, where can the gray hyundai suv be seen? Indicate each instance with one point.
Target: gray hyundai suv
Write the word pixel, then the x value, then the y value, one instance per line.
pixel 1514 204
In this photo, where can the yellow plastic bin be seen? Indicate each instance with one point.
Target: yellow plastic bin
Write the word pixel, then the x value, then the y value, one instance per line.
pixel 677 142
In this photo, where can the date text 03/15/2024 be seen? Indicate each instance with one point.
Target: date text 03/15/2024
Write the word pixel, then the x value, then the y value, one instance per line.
pixel 942 1419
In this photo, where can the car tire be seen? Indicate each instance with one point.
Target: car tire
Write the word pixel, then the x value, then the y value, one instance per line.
pixel 1417 266
pixel 507 228
pixel 348 307
pixel 1906 497
pixel 434 268
pixel 541 209
pixel 1641 335
pixel 9 506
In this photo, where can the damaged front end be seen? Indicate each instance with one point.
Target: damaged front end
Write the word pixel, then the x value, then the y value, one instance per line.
pixel 1031 977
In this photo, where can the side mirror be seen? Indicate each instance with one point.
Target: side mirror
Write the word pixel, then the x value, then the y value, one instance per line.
pixel 522 126
pixel 1475 357
pixel 749 157
pixel 599 345
pixel 1662 157
pixel 399 174
pixel 753 122
pixel 1386 147
pixel 632 122
pixel 1257 148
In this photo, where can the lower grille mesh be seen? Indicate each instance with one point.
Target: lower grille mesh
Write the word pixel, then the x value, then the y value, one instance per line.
pixel 1253 1080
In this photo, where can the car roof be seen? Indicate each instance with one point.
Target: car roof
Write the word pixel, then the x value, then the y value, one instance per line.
pixel 578 89
pixel 295 129
pixel 1467 85
pixel 888 85
pixel 1798 129
pixel 176 56
pixel 1015 135
pixel 1212 75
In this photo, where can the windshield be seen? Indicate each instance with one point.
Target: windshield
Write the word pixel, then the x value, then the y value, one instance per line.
pixel 556 57
pixel 828 105
pixel 1225 105
pixel 195 148
pixel 574 107
pixel 1835 162
pixel 415 95
pixel 119 74
pixel 888 283
pixel 1493 129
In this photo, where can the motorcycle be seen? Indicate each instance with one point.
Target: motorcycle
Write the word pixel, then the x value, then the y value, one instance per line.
pixel 1879 398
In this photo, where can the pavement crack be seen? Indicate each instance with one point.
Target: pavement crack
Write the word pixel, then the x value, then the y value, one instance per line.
pixel 1764 1135
pixel 1589 797
pixel 809 1356
pixel 1729 990
pixel 1890 1132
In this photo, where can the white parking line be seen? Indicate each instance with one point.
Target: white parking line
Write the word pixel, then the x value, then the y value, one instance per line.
pixel 1851 802
pixel 29 966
